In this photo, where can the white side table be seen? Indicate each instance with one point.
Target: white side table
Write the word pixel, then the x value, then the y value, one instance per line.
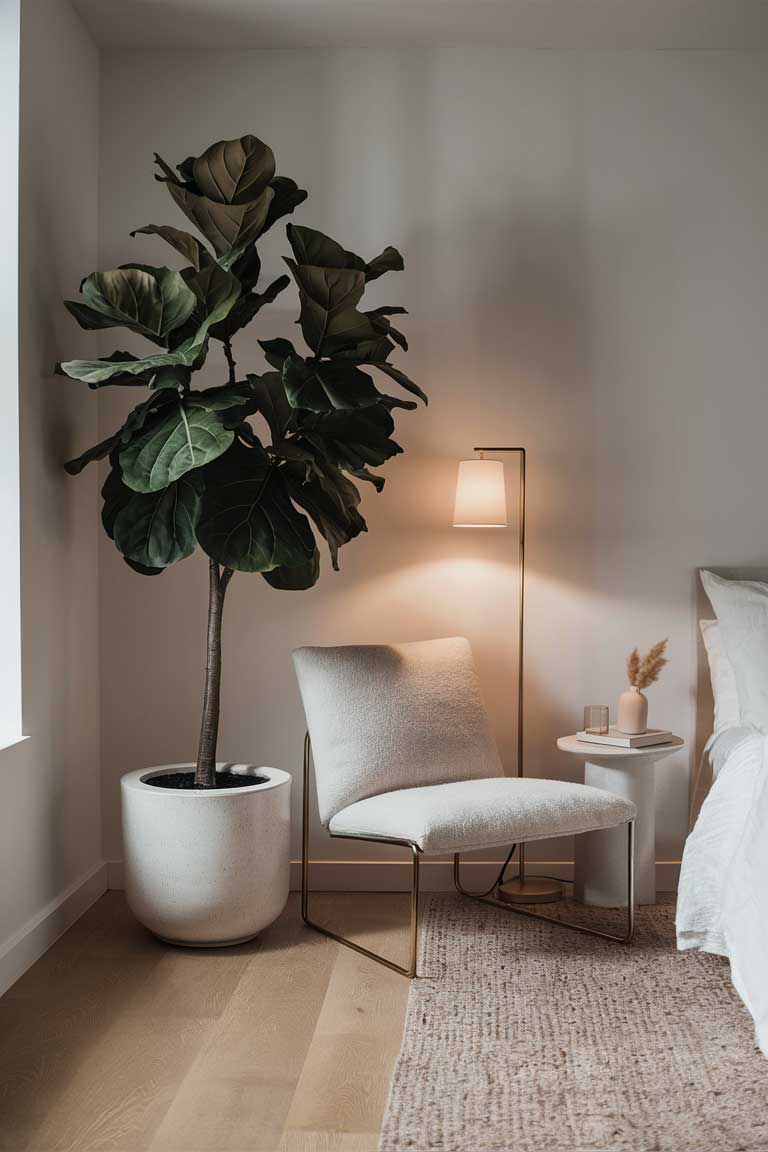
pixel 600 876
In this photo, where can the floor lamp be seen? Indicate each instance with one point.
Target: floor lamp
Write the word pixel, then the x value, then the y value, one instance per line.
pixel 481 502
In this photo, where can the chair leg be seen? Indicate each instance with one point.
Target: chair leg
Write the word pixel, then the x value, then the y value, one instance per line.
pixel 410 969
pixel 485 898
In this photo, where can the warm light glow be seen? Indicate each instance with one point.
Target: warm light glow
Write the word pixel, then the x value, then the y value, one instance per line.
pixel 481 499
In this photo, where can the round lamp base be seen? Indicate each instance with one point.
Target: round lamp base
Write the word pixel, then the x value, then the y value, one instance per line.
pixel 532 890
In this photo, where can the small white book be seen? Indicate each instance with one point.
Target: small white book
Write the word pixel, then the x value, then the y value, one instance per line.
pixel 624 740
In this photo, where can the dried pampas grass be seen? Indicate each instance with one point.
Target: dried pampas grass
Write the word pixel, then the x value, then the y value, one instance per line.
pixel 644 671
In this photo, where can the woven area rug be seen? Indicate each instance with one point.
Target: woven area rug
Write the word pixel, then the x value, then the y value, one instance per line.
pixel 521 1037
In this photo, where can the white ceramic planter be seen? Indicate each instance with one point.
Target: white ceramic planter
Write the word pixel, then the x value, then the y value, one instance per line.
pixel 206 867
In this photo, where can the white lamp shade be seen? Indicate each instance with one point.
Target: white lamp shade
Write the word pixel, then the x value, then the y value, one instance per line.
pixel 481 499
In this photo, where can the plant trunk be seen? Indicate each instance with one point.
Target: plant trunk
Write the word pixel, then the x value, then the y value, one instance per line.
pixel 205 774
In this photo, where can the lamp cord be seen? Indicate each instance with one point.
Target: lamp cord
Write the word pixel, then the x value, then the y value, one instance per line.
pixel 500 878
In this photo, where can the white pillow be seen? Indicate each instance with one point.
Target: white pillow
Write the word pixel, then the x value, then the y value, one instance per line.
pixel 723 677
pixel 741 607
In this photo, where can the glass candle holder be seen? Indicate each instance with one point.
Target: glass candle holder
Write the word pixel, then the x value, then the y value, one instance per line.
pixel 596 719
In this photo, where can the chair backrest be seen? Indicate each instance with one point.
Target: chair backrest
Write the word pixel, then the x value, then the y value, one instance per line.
pixel 389 716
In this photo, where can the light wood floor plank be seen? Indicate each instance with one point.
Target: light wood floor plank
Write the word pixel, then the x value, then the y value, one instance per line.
pixel 116 1041
pixel 123 1089
pixel 54 1019
pixel 239 1091
pixel 330 1142
pixel 345 1079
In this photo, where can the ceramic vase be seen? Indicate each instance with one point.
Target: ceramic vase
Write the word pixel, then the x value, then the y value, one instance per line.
pixel 632 714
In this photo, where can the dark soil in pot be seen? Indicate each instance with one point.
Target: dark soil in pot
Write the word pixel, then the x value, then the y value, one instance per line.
pixel 186 780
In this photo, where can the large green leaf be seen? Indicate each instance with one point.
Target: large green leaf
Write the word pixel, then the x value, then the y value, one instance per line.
pixel 247 267
pixel 277 350
pixel 272 402
pixel 188 436
pixel 148 410
pixel 139 379
pixel 89 318
pixel 115 496
pixel 331 281
pixel 327 385
pixel 246 308
pixel 387 310
pixel 330 499
pixel 173 376
pixel 189 246
pixel 296 579
pixel 352 440
pixel 401 379
pixel 286 196
pixel 214 288
pixel 248 521
pixel 190 353
pixel 233 171
pixel 155 529
pixel 313 247
pixel 379 317
pixel 372 351
pixel 142 569
pixel 233 402
pixel 150 301
pixel 111 370
pixel 135 420
pixel 229 228
pixel 369 477
pixel 231 194
pixel 349 328
pixel 74 467
pixel 329 318
pixel 389 260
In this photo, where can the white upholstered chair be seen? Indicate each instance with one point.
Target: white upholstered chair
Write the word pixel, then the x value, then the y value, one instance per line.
pixel 404 754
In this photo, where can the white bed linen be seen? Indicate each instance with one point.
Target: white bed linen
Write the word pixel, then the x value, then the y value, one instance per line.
pixel 723 893
pixel 721 746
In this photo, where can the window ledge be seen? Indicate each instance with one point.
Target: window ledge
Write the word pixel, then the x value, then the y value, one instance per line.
pixel 9 740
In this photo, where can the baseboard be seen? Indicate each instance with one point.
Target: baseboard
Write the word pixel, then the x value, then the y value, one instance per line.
pixel 436 875
pixel 35 937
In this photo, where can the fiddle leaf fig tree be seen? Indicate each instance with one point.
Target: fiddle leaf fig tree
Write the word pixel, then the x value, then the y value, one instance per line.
pixel 253 470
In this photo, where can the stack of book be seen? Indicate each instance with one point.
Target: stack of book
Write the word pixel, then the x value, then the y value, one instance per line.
pixel 618 739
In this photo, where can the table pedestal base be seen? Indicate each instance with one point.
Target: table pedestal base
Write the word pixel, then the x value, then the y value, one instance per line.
pixel 600 877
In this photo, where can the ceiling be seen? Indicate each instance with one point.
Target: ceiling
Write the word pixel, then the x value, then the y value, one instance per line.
pixel 206 24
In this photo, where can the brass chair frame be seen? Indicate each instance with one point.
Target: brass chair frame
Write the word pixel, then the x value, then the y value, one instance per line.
pixel 486 897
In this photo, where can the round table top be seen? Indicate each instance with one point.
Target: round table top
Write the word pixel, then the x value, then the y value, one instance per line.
pixel 608 751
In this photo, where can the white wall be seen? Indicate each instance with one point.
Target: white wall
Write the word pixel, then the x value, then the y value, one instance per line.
pixel 587 272
pixel 50 835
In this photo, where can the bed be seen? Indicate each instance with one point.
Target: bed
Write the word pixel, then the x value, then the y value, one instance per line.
pixel 723 890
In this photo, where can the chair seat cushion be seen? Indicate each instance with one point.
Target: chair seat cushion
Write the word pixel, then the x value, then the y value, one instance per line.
pixel 482 813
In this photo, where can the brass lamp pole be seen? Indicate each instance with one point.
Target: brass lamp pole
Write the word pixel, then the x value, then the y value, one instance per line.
pixel 481 503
